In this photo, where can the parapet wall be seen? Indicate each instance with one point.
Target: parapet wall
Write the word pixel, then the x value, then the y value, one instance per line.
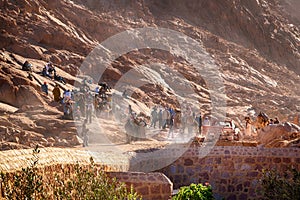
pixel 149 185
pixel 233 172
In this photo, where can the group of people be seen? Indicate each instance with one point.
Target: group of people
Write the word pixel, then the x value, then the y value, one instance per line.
pixel 83 102
pixel 274 121
pixel 262 120
pixel 80 103
pixel 48 70
pixel 168 117
pixel 77 104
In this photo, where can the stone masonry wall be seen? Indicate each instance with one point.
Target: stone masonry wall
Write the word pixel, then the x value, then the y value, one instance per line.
pixel 233 172
pixel 150 185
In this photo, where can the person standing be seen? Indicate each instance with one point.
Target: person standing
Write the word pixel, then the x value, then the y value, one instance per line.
pixel 44 88
pixel 153 117
pixel 56 93
pixel 124 94
pixel 171 125
pixel 89 107
pixel 276 121
pixel 248 130
pixel 160 121
pixel 85 133
pixel 199 122
pixel 190 123
pixel 206 125
pixel 130 110
pixel 165 117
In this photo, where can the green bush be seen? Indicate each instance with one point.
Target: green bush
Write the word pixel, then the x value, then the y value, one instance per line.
pixel 72 182
pixel 284 185
pixel 194 192
pixel 27 184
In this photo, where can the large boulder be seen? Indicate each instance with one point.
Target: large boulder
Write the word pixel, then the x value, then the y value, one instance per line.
pixel 26 95
pixel 18 92
pixel 277 135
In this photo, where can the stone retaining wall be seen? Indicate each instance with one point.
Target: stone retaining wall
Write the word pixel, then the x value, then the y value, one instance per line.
pixel 233 172
pixel 150 185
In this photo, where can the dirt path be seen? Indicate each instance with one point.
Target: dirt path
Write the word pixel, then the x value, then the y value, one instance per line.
pixel 109 135
pixel 107 146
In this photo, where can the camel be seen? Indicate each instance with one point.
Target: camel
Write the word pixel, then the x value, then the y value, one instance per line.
pixel 279 135
pixel 262 120
pixel 135 129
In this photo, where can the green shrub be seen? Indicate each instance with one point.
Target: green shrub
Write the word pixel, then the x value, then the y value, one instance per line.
pixel 194 192
pixel 72 182
pixel 284 185
pixel 27 184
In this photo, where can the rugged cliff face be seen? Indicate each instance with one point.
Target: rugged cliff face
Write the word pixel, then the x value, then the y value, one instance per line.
pixel 255 44
pixel 252 24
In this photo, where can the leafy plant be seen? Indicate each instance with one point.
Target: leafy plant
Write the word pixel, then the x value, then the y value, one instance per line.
pixel 88 182
pixel 71 182
pixel 276 185
pixel 194 192
pixel 27 184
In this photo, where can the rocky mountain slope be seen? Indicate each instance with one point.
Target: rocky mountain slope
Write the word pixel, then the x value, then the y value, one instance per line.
pixel 255 44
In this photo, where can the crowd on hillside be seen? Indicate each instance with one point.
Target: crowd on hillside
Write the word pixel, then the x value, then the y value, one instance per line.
pixel 84 103
pixel 48 71
pixel 81 103
pixel 167 117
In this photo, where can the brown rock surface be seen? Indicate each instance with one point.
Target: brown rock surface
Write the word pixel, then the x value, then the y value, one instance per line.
pixel 255 44
pixel 280 135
